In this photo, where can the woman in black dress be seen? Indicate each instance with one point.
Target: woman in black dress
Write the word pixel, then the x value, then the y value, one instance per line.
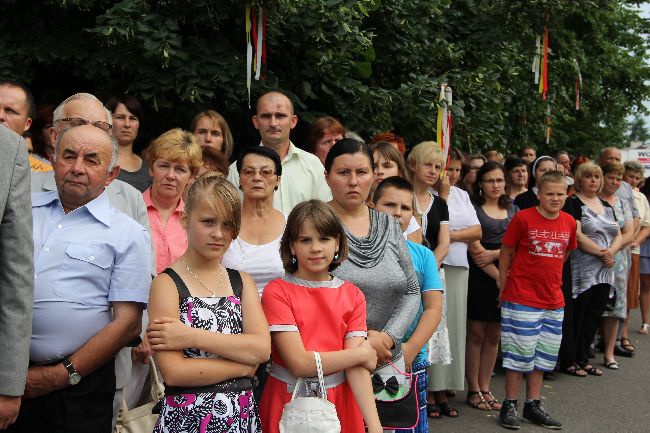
pixel 495 211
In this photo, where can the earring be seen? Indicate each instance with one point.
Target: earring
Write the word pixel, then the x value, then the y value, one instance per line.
pixel 336 256
pixel 294 260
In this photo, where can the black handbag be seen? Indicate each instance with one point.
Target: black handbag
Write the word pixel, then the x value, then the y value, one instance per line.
pixel 397 404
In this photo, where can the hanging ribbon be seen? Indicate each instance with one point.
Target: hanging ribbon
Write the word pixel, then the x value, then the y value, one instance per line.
pixel 444 122
pixel 548 122
pixel 543 83
pixel 259 48
pixel 255 42
pixel 578 84
pixel 249 52
pixel 537 57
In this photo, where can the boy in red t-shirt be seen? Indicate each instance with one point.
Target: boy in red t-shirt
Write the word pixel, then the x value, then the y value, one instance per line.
pixel 533 252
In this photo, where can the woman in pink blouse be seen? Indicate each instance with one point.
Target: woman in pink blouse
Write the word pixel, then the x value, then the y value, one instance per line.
pixel 174 159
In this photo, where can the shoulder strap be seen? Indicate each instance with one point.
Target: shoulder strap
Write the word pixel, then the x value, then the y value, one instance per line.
pixel 183 291
pixel 235 282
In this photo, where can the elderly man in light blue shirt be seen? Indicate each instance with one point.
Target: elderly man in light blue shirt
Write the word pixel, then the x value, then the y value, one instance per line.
pixel 303 175
pixel 91 284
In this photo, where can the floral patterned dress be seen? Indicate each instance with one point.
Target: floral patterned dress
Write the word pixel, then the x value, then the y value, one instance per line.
pixel 209 412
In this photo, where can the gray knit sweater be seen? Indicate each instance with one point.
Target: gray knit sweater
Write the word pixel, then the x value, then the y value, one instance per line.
pixel 380 265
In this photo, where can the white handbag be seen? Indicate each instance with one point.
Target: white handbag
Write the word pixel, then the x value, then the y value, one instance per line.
pixel 141 419
pixel 310 414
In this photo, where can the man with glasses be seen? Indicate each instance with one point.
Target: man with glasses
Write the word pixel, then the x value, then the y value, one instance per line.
pixel 85 109
pixel 304 175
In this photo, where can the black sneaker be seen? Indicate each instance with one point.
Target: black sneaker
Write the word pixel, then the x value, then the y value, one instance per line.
pixel 534 413
pixel 508 415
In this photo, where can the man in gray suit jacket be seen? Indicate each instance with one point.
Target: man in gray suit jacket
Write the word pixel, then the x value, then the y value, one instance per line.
pixel 16 273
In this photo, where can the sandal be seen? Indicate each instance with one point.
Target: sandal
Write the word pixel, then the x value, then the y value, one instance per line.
pixel 494 404
pixel 433 411
pixel 645 328
pixel 574 370
pixel 626 344
pixel 479 404
pixel 613 365
pixel 448 410
pixel 590 369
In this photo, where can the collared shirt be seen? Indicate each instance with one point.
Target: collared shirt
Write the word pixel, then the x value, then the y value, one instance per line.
pixel 625 192
pixel 303 178
pixel 169 241
pixel 83 261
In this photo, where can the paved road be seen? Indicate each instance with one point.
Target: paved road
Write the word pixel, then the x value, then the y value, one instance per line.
pixel 617 402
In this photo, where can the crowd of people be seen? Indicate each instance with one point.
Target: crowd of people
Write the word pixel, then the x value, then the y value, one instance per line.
pixel 231 266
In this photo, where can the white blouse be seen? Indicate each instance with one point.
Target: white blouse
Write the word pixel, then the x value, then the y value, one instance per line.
pixel 261 262
pixel 461 216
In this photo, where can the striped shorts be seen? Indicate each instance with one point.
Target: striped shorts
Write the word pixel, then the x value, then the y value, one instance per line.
pixel 530 337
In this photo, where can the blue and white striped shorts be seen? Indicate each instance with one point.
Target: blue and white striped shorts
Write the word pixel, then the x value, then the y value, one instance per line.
pixel 530 337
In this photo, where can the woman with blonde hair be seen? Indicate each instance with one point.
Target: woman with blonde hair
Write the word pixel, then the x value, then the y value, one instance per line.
pixel 425 164
pixel 174 159
pixel 208 330
pixel 592 264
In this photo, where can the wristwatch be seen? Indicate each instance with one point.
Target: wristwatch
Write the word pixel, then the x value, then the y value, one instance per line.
pixel 73 376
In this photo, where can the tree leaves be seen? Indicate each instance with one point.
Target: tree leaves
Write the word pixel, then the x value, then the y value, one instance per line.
pixel 375 64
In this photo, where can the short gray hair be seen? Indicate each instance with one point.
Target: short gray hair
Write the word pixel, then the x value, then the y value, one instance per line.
pixel 114 146
pixel 58 111
pixel 634 166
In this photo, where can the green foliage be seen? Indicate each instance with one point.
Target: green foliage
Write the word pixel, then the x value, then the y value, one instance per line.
pixel 375 64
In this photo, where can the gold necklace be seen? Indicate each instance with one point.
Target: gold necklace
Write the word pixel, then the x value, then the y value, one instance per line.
pixel 214 294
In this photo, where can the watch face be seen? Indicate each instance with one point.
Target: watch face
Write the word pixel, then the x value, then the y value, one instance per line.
pixel 74 378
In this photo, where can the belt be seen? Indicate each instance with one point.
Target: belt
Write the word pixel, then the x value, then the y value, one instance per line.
pixel 281 373
pixel 233 385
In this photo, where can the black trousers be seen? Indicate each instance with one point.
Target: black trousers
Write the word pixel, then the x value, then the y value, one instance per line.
pixel 83 408
pixel 588 310
pixel 567 353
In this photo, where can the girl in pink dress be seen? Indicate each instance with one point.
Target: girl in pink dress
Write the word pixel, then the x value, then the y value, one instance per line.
pixel 309 311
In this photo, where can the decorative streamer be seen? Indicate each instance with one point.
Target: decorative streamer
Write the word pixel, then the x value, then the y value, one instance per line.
pixel 249 52
pixel 444 122
pixel 537 57
pixel 543 83
pixel 578 84
pixel 548 122
pixel 259 48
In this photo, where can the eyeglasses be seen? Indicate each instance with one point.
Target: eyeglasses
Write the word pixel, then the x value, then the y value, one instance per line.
pixel 78 121
pixel 494 181
pixel 266 173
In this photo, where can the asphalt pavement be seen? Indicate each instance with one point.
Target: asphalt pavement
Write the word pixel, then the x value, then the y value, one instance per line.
pixel 616 402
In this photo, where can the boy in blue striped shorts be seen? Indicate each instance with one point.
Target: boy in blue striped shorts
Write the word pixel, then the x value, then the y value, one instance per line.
pixel 533 252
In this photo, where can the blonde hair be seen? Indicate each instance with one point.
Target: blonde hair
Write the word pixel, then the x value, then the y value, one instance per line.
pixel 178 146
pixel 427 151
pixel 584 169
pixel 221 195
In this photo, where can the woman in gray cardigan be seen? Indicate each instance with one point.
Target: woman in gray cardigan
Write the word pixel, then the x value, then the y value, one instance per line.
pixel 378 262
